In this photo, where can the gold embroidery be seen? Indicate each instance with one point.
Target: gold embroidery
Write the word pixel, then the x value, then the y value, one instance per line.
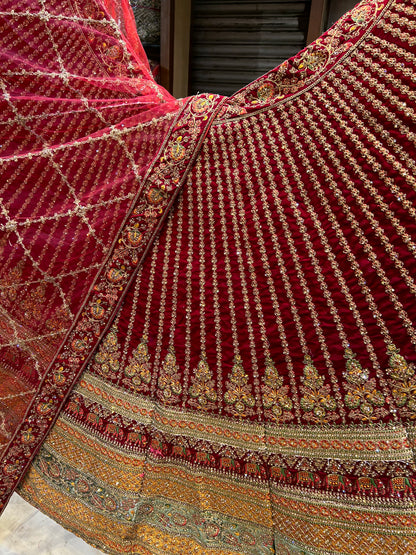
pixel 238 395
pixel 106 360
pixel 169 380
pixel 316 401
pixel 362 395
pixel 276 401
pixel 138 369
pixel 202 389
pixel 403 382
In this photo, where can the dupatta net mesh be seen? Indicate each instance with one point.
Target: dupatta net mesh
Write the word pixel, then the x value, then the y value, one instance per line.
pixel 208 304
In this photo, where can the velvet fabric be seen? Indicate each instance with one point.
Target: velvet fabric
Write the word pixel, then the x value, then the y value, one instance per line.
pixel 208 304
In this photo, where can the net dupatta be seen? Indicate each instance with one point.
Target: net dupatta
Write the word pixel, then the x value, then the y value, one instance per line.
pixel 121 12
pixel 92 155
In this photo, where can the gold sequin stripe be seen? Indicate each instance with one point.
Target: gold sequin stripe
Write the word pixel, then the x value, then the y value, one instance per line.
pixel 302 227
pixel 393 30
pixel 201 393
pixel 366 182
pixel 173 278
pixel 384 207
pixel 245 131
pixel 355 225
pixel 153 262
pixel 371 122
pixel 379 49
pixel 302 134
pixel 201 260
pixel 330 256
pixel 407 8
pixel 270 124
pixel 361 202
pixel 400 21
pixel 402 108
pixel 232 181
pixel 278 253
pixel 132 318
pixel 206 153
pixel 175 383
pixel 316 264
pixel 238 207
pixel 161 311
pixel 347 251
pixel 188 279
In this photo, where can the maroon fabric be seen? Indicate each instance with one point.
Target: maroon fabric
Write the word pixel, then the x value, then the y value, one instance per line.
pixel 307 228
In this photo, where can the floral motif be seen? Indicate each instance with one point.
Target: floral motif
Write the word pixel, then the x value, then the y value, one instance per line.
pixel 202 389
pixel 238 396
pixel 106 360
pixel 403 382
pixel 362 396
pixel 276 401
pixel 168 382
pixel 317 401
pixel 138 369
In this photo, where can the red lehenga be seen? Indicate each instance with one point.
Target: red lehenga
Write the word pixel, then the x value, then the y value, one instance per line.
pixel 208 313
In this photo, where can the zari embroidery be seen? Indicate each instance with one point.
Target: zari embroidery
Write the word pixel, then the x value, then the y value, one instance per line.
pixel 238 398
pixel 403 382
pixel 362 396
pixel 202 391
pixel 317 401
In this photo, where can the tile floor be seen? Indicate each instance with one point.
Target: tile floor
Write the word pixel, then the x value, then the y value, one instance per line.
pixel 26 531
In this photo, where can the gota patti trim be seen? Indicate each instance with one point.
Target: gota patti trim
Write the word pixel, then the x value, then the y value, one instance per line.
pixel 387 443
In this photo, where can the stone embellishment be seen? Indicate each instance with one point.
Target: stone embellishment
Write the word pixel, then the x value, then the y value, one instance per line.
pixel 169 380
pixel 138 369
pixel 106 360
pixel 402 381
pixel 238 397
pixel 202 390
pixel 363 397
pixel 276 401
pixel 317 401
